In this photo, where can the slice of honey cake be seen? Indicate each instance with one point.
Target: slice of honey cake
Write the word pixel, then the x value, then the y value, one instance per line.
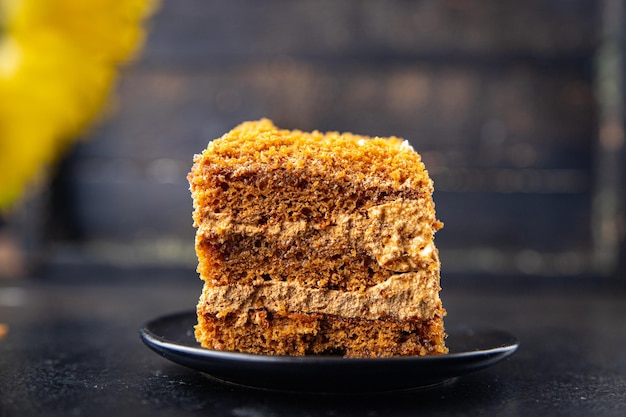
pixel 315 243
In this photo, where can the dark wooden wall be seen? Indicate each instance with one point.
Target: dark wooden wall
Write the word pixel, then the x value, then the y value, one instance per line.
pixel 498 96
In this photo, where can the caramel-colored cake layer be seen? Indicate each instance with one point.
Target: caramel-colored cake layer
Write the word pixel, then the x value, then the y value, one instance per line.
pixel 281 333
pixel 352 252
pixel 315 228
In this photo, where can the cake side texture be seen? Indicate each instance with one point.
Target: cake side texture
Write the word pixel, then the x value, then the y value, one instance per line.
pixel 302 228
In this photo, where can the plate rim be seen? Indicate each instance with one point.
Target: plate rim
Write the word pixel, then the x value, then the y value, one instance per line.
pixel 152 337
pixel 216 364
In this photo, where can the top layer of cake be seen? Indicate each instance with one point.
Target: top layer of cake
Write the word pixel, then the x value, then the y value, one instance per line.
pixel 364 160
pixel 259 152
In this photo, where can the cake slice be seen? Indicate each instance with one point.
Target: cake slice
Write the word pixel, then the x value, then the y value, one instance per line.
pixel 315 243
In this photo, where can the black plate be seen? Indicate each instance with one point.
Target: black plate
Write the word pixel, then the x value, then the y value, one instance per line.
pixel 471 349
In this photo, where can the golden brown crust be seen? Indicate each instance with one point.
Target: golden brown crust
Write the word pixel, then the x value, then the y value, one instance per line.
pixel 256 162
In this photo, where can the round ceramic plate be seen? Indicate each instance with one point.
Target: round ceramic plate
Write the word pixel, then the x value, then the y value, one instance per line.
pixel 471 349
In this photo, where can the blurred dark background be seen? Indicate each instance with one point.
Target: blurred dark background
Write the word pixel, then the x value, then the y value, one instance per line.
pixel 516 107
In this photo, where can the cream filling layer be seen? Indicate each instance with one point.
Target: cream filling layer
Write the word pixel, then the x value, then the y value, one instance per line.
pixel 412 295
pixel 398 234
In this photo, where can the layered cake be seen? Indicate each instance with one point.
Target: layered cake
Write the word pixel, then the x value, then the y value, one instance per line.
pixel 315 243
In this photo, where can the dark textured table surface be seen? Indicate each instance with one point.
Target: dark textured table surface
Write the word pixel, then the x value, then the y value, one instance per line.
pixel 71 347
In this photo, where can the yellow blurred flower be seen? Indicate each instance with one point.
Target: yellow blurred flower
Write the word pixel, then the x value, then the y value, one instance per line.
pixel 58 61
